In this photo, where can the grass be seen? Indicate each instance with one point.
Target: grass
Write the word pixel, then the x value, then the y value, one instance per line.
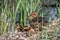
pixel 12 11
pixel 59 12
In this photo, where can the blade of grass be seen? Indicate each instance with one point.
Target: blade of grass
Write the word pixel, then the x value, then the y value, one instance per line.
pixel 59 12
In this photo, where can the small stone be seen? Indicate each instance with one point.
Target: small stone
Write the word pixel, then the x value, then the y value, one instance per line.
pixel 16 36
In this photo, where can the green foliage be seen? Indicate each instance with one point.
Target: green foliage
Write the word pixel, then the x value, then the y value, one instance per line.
pixel 24 6
pixel 59 12
pixel 11 8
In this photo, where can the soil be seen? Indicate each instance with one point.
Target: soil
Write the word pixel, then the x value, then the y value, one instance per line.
pixel 47 33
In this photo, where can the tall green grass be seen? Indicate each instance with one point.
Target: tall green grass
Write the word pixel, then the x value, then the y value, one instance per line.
pixel 11 12
pixel 59 12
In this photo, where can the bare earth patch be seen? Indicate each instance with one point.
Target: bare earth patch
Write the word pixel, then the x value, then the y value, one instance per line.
pixel 52 30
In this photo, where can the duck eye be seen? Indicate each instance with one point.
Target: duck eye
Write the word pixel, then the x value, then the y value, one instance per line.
pixel 34 14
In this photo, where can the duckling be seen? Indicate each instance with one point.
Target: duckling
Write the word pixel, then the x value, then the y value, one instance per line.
pixel 34 18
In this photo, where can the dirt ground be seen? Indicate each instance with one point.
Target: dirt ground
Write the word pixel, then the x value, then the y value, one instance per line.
pixel 45 34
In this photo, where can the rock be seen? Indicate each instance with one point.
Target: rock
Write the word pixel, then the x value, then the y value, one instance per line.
pixel 49 12
pixel 0 1
pixel 48 2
